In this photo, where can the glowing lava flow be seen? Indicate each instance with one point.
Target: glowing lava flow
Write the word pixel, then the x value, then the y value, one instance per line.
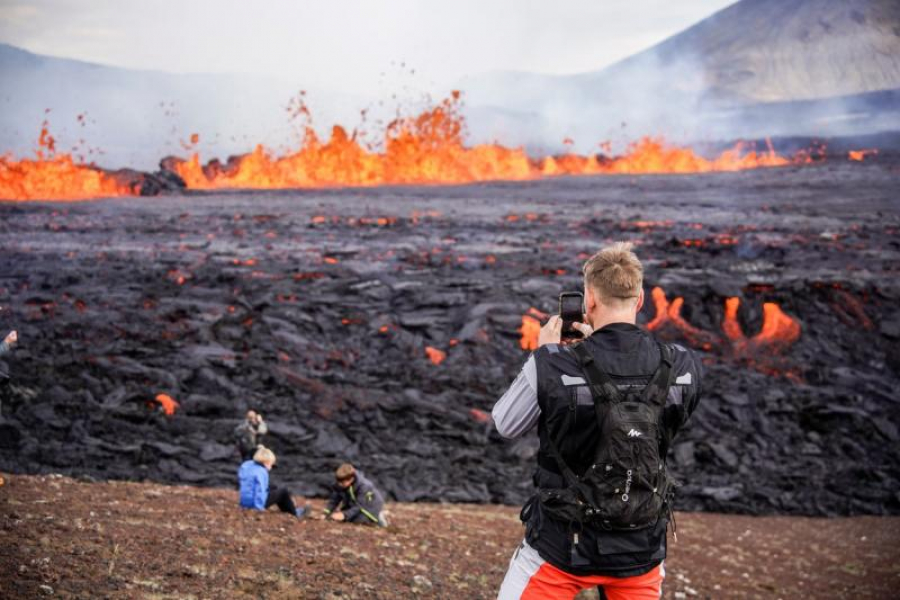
pixel 54 176
pixel 670 313
pixel 168 404
pixel 434 355
pixel 860 155
pixel 429 149
pixel 425 149
pixel 531 328
pixel 777 333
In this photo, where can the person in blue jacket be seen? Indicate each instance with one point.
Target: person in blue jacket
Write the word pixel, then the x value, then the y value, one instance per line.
pixel 253 477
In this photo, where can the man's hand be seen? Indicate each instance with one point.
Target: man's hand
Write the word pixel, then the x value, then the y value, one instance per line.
pixel 337 516
pixel 11 338
pixel 551 331
pixel 585 329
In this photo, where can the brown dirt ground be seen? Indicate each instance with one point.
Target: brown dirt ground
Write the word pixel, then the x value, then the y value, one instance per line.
pixel 72 539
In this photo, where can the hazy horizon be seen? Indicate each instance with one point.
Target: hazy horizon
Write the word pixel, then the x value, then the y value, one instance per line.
pixel 356 47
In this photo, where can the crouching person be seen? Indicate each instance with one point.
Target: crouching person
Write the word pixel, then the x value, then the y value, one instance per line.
pixel 253 477
pixel 354 499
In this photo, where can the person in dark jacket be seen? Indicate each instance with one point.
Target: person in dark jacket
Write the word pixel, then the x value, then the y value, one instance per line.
pixel 354 499
pixel 5 346
pixel 248 435
pixel 255 492
pixel 560 557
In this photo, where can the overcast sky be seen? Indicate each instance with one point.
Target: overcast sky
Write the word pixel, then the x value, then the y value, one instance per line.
pixel 349 45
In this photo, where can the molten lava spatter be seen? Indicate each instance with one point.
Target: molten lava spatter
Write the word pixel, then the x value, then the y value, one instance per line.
pixel 429 149
pixel 52 176
pixel 425 149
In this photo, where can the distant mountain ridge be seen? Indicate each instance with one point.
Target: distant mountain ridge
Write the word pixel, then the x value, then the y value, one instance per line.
pixel 777 51
pixel 752 53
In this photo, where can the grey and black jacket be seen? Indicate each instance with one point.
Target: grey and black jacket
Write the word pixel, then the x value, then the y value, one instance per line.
pixel 4 371
pixel 248 437
pixel 550 385
pixel 360 503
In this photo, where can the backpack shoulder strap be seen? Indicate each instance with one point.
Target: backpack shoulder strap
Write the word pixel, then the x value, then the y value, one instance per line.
pixel 601 386
pixel 658 388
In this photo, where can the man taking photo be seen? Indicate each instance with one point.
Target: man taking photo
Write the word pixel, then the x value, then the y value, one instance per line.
pixel 607 409
pixel 249 433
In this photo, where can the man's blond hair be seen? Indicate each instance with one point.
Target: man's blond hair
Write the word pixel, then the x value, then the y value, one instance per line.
pixel 614 274
pixel 264 456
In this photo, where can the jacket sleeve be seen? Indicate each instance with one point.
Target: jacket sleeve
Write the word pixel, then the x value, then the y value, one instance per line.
pixel 4 347
pixel 517 410
pixel 333 501
pixel 351 512
pixel 684 393
pixel 260 491
pixel 368 502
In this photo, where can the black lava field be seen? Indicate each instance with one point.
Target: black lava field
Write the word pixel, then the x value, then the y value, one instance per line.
pixel 327 311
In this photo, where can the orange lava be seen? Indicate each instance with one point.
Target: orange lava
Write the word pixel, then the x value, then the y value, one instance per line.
pixel 479 415
pixel 52 176
pixel 860 155
pixel 730 326
pixel 434 355
pixel 169 404
pixel 778 329
pixel 670 313
pixel 424 149
pixel 57 178
pixel 777 333
pixel 429 149
pixel 531 328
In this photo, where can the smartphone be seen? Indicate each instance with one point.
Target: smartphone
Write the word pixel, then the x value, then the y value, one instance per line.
pixel 571 308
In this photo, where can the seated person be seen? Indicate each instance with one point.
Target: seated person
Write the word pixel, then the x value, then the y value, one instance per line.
pixel 355 498
pixel 253 477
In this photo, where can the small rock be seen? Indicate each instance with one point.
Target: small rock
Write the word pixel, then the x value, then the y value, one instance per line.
pixel 722 494
pixel 46 589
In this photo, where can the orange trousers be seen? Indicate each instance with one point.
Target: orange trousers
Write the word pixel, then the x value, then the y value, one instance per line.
pixel 530 577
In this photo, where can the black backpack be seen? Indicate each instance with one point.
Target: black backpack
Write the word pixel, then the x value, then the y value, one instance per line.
pixel 627 485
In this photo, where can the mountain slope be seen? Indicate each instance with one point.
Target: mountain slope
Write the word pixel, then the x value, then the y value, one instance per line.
pixel 697 83
pixel 776 51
